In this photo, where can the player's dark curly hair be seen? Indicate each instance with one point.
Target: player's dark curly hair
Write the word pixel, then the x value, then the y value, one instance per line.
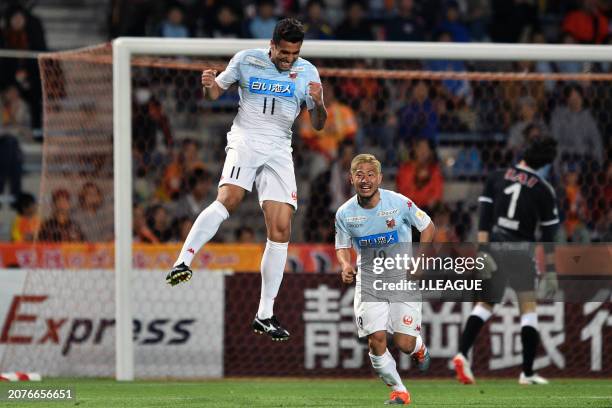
pixel 288 29
pixel 540 152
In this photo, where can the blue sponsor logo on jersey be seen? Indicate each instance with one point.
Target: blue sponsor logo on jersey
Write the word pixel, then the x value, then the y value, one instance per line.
pixel 378 240
pixel 271 87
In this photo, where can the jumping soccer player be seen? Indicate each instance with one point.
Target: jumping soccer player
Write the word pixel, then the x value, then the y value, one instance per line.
pixel 513 203
pixel 371 219
pixel 273 85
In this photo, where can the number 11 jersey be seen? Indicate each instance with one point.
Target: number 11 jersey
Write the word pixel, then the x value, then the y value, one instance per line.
pixel 270 99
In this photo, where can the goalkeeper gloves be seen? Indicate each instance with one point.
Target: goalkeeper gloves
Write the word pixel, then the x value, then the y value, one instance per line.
pixel 490 266
pixel 548 286
pixel 178 274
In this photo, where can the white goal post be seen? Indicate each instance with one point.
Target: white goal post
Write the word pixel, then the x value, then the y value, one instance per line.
pixel 124 48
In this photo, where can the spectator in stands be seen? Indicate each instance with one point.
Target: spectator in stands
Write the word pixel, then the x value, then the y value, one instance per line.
pixel 588 25
pixel 406 25
pixel 575 129
pixel 452 23
pixel 173 25
pixel 226 23
pixel 529 115
pixel 133 17
pixel 569 67
pixel 599 195
pixel 23 31
pixel 421 178
pixel 199 187
pixel 27 223
pixel 315 23
pixel 245 235
pixel 574 208
pixel 456 88
pixel 148 119
pixel 418 118
pixel 478 14
pixel 333 189
pixel 14 112
pixel 356 26
pixel 262 25
pixel 603 228
pixel 60 227
pixel 11 164
pixel 91 215
pixel 511 93
pixel 181 227
pixel 141 231
pixel 186 159
pixel 341 125
pixel 158 220
pixel 513 20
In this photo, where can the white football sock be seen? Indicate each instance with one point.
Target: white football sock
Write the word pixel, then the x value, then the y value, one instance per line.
pixel 272 269
pixel 419 343
pixel 386 369
pixel 204 228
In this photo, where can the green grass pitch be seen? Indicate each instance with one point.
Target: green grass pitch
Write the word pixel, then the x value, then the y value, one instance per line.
pixel 270 392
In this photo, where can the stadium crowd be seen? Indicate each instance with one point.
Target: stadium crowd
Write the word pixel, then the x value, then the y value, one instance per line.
pixel 427 132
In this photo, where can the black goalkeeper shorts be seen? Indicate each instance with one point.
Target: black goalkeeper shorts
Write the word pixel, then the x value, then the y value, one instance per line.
pixel 515 268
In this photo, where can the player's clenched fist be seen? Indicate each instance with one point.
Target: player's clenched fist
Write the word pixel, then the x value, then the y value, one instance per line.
pixel 347 274
pixel 208 77
pixel 315 90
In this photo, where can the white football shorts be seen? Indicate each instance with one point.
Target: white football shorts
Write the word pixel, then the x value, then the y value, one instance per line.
pixel 394 317
pixel 267 163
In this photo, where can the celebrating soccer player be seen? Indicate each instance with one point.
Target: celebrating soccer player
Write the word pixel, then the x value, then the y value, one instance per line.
pixel 513 203
pixel 273 84
pixel 372 218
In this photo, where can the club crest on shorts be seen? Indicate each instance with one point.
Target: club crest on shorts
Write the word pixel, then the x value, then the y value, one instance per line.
pixel 294 195
pixel 407 320
pixel 360 322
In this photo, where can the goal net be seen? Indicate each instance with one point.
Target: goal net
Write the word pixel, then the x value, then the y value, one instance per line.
pixel 88 303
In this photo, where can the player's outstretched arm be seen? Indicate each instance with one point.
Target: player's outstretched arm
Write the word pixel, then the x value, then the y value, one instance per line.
pixel 210 88
pixel 344 258
pixel 318 114
pixel 427 235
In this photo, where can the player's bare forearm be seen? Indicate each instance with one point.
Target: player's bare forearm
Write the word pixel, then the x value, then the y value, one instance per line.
pixel 318 116
pixel 213 93
pixel 344 258
pixel 427 235
pixel 210 88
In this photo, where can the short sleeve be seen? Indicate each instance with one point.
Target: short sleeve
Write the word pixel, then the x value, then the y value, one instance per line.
pixel 312 77
pixel 489 190
pixel 485 219
pixel 413 214
pixel 547 208
pixel 343 238
pixel 231 74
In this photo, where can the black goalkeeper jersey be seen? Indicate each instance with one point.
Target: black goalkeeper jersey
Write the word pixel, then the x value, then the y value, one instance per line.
pixel 517 200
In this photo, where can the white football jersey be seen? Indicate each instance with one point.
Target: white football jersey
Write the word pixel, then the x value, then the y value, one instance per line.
pixel 270 99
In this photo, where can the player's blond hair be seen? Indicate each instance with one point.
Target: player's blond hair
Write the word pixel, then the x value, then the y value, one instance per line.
pixel 365 158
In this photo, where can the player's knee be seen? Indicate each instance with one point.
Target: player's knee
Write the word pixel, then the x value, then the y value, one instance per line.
pixel 280 233
pixel 405 343
pixel 230 199
pixel 377 343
